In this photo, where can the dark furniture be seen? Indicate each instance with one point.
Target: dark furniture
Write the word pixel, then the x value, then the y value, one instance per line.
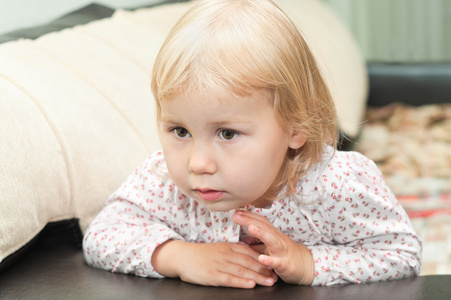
pixel 57 271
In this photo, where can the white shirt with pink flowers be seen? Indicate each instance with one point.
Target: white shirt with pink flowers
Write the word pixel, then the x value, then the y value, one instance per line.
pixel 343 212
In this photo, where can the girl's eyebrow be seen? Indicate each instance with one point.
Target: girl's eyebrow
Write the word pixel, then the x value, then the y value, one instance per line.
pixel 232 121
pixel 167 120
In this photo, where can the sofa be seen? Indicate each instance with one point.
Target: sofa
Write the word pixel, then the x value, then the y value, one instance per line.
pixel 77 116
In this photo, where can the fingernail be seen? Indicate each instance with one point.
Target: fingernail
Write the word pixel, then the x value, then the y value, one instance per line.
pixel 270 281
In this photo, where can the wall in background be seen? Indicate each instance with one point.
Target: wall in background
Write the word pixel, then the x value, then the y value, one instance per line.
pixel 399 30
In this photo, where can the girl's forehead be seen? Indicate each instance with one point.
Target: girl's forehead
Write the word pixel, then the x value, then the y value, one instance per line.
pixel 209 109
pixel 222 96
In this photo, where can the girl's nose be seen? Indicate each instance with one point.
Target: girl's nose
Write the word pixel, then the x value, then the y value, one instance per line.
pixel 202 160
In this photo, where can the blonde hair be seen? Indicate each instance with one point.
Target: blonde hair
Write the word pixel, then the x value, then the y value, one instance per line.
pixel 241 46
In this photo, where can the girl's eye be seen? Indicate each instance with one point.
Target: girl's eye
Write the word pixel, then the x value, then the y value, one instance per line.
pixel 181 132
pixel 228 134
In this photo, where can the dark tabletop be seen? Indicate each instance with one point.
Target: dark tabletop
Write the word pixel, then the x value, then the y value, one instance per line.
pixel 59 272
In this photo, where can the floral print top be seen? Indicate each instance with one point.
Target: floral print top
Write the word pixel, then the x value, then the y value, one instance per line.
pixel 342 211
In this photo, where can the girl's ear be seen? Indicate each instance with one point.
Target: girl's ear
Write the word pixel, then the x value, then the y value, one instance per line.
pixel 297 140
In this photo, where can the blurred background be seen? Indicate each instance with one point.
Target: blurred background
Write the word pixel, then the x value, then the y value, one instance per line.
pixel 407 128
pixel 386 30
pixel 399 30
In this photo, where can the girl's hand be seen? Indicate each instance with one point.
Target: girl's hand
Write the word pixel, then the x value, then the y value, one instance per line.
pixel 214 264
pixel 292 261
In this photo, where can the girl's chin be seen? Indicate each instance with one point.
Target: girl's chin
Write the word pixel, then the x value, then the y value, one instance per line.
pixel 219 206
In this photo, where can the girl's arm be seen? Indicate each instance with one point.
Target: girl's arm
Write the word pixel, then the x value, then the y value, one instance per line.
pixel 370 237
pixel 291 261
pixel 213 264
pixel 123 238
pixel 366 234
pixel 361 250
pixel 142 231
pixel 133 223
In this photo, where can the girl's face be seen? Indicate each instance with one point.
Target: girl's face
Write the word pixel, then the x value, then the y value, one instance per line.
pixel 224 153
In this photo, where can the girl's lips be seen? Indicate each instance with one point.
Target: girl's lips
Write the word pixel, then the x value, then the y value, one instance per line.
pixel 209 195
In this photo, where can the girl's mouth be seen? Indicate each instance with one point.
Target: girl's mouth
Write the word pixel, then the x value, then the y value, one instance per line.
pixel 209 195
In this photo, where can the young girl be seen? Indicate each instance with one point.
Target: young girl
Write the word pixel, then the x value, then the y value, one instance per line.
pixel 249 187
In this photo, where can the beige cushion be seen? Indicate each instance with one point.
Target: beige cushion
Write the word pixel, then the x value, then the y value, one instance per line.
pixel 77 115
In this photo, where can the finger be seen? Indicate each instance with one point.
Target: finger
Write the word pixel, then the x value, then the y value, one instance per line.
pixel 246 250
pixel 245 266
pixel 227 280
pixel 274 263
pixel 265 276
pixel 272 238
pixel 246 218
pixel 260 228
pixel 219 278
pixel 248 262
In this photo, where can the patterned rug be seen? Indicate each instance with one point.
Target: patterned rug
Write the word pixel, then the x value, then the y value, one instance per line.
pixel 412 147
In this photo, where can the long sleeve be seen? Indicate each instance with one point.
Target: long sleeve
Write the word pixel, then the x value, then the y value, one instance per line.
pixel 124 235
pixel 366 236
pixel 146 211
pixel 343 212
